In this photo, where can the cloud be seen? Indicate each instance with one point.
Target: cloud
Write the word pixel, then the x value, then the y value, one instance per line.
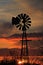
pixel 5 28
pixel 38 4
pixel 36 29
pixel 9 8
pixel 4 2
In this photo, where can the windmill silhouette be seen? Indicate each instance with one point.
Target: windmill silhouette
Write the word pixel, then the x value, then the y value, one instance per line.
pixel 22 22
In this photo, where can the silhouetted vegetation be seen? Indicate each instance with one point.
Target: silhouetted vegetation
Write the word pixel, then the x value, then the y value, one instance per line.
pixel 14 62
pixel 11 62
pixel 30 64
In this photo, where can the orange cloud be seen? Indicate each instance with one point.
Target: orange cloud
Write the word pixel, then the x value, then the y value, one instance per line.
pixel 14 42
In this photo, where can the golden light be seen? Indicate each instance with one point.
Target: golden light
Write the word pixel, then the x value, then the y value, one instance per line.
pixel 22 61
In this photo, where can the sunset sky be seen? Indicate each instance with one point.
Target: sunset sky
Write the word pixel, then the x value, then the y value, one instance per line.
pixel 10 8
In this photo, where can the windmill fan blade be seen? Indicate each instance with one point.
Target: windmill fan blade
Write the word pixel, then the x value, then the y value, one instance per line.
pixel 28 22
pixel 20 28
pixel 19 16
pixel 22 16
pixel 27 16
pixel 27 26
pixel 18 20
pixel 17 26
pixel 28 19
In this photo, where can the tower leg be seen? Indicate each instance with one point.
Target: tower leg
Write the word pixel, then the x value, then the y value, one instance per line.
pixel 22 45
pixel 24 49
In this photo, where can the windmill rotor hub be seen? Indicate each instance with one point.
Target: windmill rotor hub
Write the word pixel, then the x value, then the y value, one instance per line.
pixel 21 22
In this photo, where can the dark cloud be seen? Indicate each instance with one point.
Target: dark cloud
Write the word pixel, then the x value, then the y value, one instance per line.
pixel 37 4
pixel 5 28
pixel 40 28
pixel 37 29
pixel 4 2
pixel 7 25
pixel 9 8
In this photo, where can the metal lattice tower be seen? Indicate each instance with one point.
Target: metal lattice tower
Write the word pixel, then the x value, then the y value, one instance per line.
pixel 22 22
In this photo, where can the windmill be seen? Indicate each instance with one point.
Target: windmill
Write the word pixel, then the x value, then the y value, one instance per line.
pixel 22 22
